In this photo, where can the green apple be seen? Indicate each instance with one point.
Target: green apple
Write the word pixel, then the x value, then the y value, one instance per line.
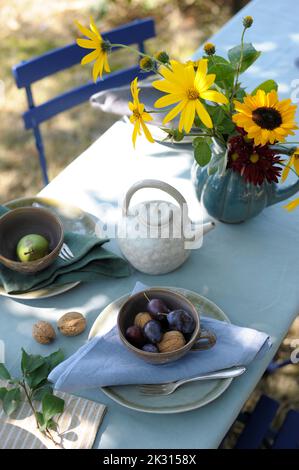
pixel 32 247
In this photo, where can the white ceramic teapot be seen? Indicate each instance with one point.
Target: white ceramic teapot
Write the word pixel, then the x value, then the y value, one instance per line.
pixel 156 236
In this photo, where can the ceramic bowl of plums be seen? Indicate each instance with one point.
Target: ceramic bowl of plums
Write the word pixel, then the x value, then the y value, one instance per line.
pixel 30 239
pixel 160 326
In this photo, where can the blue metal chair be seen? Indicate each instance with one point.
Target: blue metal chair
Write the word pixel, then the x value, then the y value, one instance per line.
pixel 275 365
pixel 28 72
pixel 258 431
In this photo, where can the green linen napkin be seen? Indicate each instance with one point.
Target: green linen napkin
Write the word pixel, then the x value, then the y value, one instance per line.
pixel 91 262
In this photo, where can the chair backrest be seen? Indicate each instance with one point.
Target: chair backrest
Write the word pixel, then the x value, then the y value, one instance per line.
pixel 60 59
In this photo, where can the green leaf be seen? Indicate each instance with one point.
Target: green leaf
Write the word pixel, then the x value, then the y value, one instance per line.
pixel 38 376
pixel 51 424
pixel 202 151
pixel 250 55
pixel 51 406
pixel 197 123
pixel 3 391
pixel 267 86
pixel 4 374
pixel 54 359
pixel 39 393
pixel 41 421
pixel 30 362
pixel 223 70
pixel 11 401
pixel 217 114
pixel 227 126
pixel 240 94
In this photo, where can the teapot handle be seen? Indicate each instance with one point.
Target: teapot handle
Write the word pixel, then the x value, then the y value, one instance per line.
pixel 156 184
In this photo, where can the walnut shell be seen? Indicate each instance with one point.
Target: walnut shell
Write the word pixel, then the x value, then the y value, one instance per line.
pixel 171 341
pixel 71 324
pixel 142 319
pixel 43 332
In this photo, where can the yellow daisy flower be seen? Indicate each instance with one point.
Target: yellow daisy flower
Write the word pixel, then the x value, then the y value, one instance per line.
pixel 100 52
pixel 292 205
pixel 139 115
pixel 186 87
pixel 293 162
pixel 192 62
pixel 265 118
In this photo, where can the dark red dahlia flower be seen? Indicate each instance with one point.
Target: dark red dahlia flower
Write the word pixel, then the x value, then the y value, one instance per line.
pixel 255 163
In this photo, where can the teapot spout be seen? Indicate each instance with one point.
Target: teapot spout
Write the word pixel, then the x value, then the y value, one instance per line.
pixel 207 227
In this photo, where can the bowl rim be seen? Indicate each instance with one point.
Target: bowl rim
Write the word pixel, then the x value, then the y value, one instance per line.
pixel 49 255
pixel 148 354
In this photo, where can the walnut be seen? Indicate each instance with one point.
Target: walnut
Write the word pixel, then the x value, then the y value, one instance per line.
pixel 142 319
pixel 171 341
pixel 43 332
pixel 71 324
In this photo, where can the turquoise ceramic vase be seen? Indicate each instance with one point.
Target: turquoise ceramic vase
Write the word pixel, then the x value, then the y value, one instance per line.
pixel 229 198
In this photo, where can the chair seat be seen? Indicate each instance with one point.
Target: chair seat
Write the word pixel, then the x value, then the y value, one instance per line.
pixel 258 427
pixel 288 435
pixel 258 423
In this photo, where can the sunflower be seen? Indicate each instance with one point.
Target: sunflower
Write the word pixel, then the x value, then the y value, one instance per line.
pixel 186 87
pixel 265 118
pixel 139 114
pixel 293 162
pixel 100 52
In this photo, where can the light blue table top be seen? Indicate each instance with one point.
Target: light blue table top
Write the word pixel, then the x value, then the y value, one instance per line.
pixel 249 270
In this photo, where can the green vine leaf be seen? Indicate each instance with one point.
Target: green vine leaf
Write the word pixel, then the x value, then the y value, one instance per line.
pixel 4 374
pixel 250 55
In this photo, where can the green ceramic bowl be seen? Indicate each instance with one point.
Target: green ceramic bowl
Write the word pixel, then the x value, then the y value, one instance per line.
pixel 18 223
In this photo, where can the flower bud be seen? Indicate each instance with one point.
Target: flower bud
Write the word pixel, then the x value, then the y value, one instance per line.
pixel 209 48
pixel 162 56
pixel 247 21
pixel 147 64
pixel 177 135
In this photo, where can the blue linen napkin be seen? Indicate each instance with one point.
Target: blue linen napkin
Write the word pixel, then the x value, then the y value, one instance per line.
pixel 105 361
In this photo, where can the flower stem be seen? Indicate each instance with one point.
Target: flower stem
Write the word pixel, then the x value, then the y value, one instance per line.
pixel 133 49
pixel 46 432
pixel 238 70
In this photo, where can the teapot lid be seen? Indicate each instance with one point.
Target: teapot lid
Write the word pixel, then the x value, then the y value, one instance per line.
pixel 156 213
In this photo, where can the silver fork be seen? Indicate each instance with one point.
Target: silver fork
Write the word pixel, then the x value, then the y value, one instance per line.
pixel 66 253
pixel 170 387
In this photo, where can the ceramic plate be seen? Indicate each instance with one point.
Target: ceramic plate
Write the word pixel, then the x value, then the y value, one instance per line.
pixel 188 397
pixel 72 218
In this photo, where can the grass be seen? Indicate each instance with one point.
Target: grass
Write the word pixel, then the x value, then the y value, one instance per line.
pixel 32 27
